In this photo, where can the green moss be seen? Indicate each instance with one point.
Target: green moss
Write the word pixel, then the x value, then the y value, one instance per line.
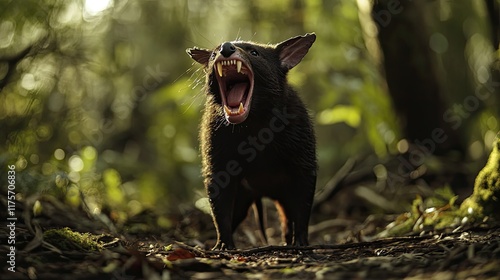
pixel 66 239
pixel 437 212
pixel 485 201
pixel 440 213
pixel 401 226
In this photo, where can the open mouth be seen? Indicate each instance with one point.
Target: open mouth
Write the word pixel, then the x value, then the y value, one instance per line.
pixel 235 78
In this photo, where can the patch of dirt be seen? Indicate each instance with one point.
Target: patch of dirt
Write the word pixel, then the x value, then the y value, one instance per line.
pixel 473 253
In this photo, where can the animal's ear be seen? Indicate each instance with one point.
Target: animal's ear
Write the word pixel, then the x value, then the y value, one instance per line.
pixel 294 49
pixel 201 56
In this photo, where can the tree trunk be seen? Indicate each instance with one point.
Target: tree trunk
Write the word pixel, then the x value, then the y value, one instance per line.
pixel 494 19
pixel 413 76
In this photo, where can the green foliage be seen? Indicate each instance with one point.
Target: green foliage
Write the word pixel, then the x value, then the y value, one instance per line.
pixel 340 113
pixel 112 181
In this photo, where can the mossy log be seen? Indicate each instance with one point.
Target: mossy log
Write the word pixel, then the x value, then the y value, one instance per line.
pixel 485 200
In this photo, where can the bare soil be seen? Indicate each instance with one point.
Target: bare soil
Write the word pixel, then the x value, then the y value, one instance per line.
pixel 473 253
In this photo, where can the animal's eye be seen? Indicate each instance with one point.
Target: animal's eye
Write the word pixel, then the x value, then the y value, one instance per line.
pixel 212 56
pixel 254 52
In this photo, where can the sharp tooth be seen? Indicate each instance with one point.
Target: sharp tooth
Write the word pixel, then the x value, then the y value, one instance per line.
pixel 227 110
pixel 241 109
pixel 238 66
pixel 219 68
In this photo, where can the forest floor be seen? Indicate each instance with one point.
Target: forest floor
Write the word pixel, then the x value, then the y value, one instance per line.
pixel 46 250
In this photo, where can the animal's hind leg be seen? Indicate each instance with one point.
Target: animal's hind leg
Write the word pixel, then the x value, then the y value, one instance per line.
pixel 286 222
pixel 260 218
pixel 296 207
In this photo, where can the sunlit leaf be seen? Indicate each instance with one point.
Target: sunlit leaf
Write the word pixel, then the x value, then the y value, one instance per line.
pixel 112 181
pixel 340 113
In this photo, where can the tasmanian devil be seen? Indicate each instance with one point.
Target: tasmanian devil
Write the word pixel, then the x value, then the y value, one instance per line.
pixel 256 136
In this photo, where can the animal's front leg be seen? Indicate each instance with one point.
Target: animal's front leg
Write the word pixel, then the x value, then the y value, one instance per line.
pixel 222 203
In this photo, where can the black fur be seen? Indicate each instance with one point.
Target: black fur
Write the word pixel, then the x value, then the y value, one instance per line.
pixel 271 153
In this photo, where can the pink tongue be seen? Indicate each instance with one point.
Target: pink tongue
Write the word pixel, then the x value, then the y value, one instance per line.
pixel 235 95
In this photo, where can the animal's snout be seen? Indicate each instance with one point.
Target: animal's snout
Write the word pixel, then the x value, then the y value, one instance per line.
pixel 227 49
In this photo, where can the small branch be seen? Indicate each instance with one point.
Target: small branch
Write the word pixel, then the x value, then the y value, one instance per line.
pixel 334 185
pixel 11 63
pixel 380 243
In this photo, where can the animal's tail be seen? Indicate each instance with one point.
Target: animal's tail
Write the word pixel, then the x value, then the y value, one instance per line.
pixel 260 218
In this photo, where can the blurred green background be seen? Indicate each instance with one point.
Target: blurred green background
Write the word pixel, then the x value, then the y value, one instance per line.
pixel 100 103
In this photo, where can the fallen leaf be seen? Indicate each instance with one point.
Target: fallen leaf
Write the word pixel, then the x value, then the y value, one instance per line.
pixel 180 254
